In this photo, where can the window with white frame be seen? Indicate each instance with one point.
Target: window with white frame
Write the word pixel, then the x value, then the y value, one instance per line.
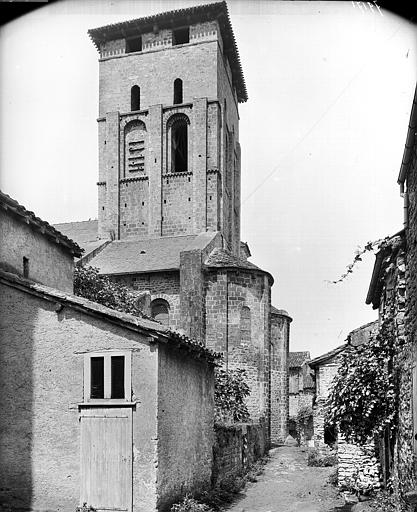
pixel 107 376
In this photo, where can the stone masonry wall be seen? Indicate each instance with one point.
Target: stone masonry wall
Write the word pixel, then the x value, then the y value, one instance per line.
pixel 194 64
pixel 393 308
pixel 134 220
pixel 177 205
pixel 411 310
pixel 236 447
pixel 279 397
pixel 49 264
pixel 357 466
pixel 298 401
pixel 226 292
pixel 160 285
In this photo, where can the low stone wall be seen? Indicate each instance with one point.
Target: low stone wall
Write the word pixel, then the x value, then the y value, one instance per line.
pixel 236 447
pixel 358 466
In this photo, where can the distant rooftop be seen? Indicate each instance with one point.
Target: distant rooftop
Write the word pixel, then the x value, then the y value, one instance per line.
pixel 177 18
pixel 83 232
pixel 297 359
pixel 17 210
pixel 325 358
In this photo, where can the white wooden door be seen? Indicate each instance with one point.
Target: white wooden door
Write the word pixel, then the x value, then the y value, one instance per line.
pixel 106 458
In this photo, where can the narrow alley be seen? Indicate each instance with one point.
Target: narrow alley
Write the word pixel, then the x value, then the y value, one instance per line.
pixel 289 485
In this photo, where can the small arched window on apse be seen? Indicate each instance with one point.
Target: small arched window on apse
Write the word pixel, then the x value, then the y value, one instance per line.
pixel 245 325
pixel 160 311
pixel 178 91
pixel 178 143
pixel 135 98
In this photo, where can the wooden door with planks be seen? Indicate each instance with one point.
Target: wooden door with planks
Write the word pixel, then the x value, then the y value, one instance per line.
pixel 106 458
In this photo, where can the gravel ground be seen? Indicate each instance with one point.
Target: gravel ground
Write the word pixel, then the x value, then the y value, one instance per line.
pixel 289 485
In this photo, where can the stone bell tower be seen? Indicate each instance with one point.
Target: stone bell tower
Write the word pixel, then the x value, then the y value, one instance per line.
pixel 169 161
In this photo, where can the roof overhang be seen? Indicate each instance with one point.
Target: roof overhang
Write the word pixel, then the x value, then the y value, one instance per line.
pixel 375 286
pixel 12 207
pixel 410 142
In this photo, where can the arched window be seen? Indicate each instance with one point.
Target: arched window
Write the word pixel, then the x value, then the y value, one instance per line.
pixel 178 91
pixel 135 98
pixel 160 311
pixel 245 325
pixel 178 143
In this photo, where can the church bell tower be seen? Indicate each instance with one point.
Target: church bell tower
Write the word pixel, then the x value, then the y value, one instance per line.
pixel 169 154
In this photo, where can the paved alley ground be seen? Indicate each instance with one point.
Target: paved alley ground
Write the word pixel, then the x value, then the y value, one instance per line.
pixel 289 485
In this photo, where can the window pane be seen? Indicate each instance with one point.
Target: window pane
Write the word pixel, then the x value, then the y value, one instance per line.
pixel 118 377
pixel 97 377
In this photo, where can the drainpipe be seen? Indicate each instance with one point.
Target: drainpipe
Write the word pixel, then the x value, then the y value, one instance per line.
pixel 404 195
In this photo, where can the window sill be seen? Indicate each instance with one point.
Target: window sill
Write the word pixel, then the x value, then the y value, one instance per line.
pixel 107 403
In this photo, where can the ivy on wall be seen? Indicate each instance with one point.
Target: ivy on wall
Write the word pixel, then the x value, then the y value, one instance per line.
pixel 363 402
pixel 230 391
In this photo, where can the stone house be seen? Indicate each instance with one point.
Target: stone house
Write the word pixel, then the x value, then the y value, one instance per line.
pixel 393 292
pixel 169 204
pixel 97 406
pixel 301 391
pixel 357 466
pixel 405 472
pixel 387 294
pixel 324 369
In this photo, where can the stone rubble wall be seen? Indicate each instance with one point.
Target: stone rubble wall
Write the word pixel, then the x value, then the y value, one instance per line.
pixel 358 466
pixel 236 448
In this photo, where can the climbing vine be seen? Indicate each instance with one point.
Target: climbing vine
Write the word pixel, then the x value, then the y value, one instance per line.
pixel 230 391
pixel 364 397
pixel 369 247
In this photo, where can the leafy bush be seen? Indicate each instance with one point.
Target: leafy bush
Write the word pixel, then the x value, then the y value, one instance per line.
pixel 364 398
pixel 317 459
pixel 189 504
pixel 383 502
pixel 333 479
pixel 90 285
pixel 230 392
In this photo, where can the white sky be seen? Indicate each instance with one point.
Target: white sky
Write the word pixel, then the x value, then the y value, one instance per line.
pixel 330 89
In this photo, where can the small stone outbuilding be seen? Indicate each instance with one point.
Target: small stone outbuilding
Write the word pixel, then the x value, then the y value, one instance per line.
pixel 97 406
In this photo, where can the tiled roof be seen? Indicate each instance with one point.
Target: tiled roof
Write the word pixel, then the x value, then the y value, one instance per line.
pixel 296 359
pixel 156 330
pixel 82 232
pixel 280 312
pixel 135 256
pixel 214 11
pixel 28 217
pixel 327 356
pixel 219 258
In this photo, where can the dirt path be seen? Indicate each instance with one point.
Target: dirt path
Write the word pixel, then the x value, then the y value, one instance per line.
pixel 289 485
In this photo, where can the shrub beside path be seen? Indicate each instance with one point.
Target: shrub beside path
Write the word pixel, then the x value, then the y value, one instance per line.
pixel 289 485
